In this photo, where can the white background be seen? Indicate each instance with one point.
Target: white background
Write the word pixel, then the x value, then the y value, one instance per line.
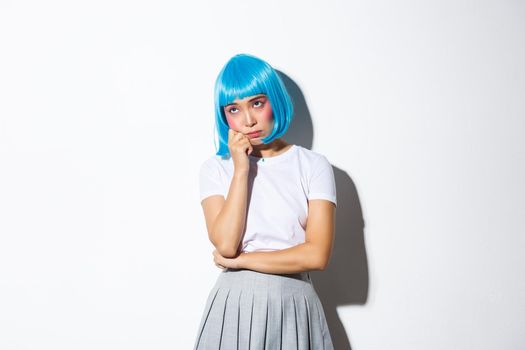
pixel 106 113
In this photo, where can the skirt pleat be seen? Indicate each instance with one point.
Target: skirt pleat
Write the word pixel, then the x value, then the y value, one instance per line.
pixel 230 331
pixel 260 314
pixel 274 323
pixel 289 331
pixel 302 325
pixel 250 310
pixel 245 320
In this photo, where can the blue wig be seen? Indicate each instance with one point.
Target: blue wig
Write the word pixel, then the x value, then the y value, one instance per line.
pixel 245 75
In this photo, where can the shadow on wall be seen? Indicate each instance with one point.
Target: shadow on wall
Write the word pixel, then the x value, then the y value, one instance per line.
pixel 346 280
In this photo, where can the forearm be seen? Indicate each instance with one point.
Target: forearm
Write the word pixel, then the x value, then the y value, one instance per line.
pixel 228 226
pixel 299 258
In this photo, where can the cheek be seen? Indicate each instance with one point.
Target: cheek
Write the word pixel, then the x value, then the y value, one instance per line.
pixel 231 123
pixel 267 115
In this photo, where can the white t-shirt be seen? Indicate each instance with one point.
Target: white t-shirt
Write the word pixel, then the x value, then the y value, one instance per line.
pixel 279 188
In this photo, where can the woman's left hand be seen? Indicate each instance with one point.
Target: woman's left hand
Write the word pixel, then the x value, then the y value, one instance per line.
pixel 222 262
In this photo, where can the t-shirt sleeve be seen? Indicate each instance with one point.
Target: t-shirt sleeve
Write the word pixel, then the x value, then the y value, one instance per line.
pixel 210 180
pixel 322 181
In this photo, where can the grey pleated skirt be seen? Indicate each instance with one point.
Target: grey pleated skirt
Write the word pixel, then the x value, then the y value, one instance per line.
pixel 250 310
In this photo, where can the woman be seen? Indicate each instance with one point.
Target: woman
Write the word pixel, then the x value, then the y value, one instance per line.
pixel 269 208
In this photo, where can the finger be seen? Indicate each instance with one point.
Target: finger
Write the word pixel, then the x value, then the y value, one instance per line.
pixel 239 142
pixel 234 137
pixel 246 144
pixel 240 136
pixel 233 134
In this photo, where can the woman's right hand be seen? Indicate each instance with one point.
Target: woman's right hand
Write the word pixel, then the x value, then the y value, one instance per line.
pixel 240 147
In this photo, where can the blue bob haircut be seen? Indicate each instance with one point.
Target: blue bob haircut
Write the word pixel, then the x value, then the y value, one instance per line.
pixel 246 75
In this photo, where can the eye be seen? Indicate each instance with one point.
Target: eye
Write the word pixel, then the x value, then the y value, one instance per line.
pixel 232 110
pixel 258 104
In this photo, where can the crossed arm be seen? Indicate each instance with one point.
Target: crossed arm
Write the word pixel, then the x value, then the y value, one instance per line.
pixel 313 254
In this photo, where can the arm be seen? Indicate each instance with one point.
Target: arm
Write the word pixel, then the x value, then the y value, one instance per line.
pixel 225 218
pixel 313 254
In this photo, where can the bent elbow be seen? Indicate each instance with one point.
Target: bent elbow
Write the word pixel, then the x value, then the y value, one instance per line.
pixel 320 264
pixel 225 248
pixel 324 265
pixel 318 267
pixel 226 251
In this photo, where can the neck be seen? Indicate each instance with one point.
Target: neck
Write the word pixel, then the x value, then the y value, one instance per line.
pixel 271 149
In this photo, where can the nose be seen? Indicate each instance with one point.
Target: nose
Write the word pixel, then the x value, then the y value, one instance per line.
pixel 249 119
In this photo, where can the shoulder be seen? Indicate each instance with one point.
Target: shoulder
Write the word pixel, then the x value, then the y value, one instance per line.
pixel 215 162
pixel 311 158
pixel 319 174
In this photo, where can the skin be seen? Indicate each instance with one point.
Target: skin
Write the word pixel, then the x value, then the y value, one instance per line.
pixel 225 217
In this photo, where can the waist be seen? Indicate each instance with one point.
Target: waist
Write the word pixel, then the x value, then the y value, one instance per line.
pixel 304 276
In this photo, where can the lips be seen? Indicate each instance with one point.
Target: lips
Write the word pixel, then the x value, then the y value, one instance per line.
pixel 254 134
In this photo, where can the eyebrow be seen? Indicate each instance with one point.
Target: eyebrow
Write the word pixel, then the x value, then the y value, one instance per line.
pixel 250 100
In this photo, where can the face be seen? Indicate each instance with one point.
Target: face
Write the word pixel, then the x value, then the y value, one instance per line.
pixel 251 116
